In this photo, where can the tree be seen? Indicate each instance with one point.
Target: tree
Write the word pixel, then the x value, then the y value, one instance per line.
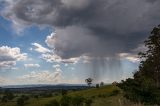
pixel 64 92
pixel 20 102
pixel 144 87
pixel 54 102
pixel 65 101
pixel 4 99
pixel 89 81
pixel 9 95
pixel 150 64
pixel 77 101
pixel 102 84
pixel 97 85
pixel 88 102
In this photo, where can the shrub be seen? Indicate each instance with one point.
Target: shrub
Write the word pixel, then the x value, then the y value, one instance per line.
pixel 54 102
pixel 97 85
pixel 65 101
pixel 101 96
pixel 44 94
pixel 102 84
pixel 88 102
pixel 8 95
pixel 77 101
pixel 64 92
pixel 36 96
pixel 24 97
pixel 20 102
pixel 114 92
pixel 4 99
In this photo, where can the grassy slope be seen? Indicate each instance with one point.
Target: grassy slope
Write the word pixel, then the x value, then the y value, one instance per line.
pixel 100 96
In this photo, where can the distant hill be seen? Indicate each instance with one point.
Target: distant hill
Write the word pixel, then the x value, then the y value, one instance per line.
pixel 43 87
pixel 39 85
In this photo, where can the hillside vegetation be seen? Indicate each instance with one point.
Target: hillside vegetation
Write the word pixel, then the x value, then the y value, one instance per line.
pixel 109 95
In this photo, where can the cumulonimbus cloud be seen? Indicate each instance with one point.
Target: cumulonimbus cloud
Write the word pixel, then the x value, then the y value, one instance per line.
pixel 88 27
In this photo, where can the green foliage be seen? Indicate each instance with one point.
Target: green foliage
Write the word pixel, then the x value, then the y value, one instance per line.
pixel 114 92
pixel 8 95
pixel 25 97
pixel 54 102
pixel 144 87
pixel 89 81
pixel 97 85
pixel 64 92
pixel 45 94
pixel 20 102
pixel 102 84
pixel 77 101
pixel 65 101
pixel 36 96
pixel 88 102
pixel 4 99
pixel 101 96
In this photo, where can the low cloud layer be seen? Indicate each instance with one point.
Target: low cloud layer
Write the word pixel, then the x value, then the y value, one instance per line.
pixel 98 32
pixel 9 56
pixel 87 27
pixel 42 77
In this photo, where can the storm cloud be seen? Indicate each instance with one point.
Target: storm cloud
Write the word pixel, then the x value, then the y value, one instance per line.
pixel 96 28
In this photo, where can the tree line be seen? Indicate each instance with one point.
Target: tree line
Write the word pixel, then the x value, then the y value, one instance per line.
pixel 144 87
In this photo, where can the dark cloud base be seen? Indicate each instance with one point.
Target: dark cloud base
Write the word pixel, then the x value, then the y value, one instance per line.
pixel 96 28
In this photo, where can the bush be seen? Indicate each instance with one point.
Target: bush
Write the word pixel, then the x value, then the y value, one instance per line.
pixel 24 97
pixel 65 101
pixel 101 96
pixel 77 101
pixel 73 101
pixel 20 102
pixel 114 92
pixel 8 95
pixel 97 85
pixel 54 102
pixel 4 99
pixel 64 92
pixel 36 96
pixel 102 84
pixel 88 102
pixel 45 95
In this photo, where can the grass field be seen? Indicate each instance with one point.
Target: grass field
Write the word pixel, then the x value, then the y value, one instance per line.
pixel 104 96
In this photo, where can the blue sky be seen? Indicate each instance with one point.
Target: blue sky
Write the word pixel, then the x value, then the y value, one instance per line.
pixel 47 42
pixel 70 73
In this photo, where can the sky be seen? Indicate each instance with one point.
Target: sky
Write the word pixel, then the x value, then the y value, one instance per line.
pixel 67 41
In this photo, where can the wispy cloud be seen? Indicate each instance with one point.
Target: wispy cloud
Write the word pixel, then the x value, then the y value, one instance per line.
pixel 130 57
pixel 32 65
pixel 42 77
pixel 39 48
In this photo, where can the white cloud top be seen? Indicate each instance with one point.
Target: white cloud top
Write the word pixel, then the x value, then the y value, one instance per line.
pixel 9 56
pixel 39 48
